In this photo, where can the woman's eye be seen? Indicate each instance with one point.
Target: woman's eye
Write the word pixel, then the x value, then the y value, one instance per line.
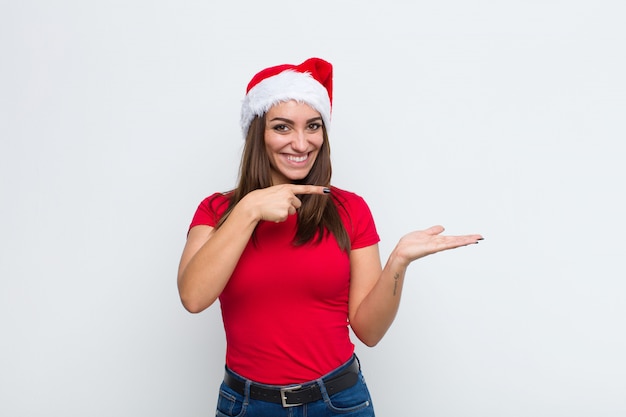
pixel 280 128
pixel 315 126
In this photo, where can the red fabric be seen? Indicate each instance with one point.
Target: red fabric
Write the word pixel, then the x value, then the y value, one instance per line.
pixel 285 308
pixel 319 69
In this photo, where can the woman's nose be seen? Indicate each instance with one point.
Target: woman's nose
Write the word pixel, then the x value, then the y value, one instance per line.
pixel 299 142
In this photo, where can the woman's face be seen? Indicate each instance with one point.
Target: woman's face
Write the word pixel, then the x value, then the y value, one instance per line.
pixel 293 138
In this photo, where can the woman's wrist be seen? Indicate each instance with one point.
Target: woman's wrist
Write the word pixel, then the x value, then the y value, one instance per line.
pixel 397 260
pixel 245 209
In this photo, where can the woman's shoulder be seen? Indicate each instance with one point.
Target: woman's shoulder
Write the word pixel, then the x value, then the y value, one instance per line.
pixel 218 197
pixel 357 217
pixel 346 198
pixel 211 208
pixel 340 192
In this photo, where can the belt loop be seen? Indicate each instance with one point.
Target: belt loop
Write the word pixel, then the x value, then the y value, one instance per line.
pixel 323 391
pixel 246 392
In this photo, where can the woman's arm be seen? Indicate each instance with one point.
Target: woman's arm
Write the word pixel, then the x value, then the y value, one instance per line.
pixel 375 292
pixel 209 258
pixel 211 255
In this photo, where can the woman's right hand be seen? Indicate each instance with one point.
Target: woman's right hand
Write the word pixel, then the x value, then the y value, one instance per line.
pixel 276 203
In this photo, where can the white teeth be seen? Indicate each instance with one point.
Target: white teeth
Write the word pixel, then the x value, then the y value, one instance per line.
pixel 297 158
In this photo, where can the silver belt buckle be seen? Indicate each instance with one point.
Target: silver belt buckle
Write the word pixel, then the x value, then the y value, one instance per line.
pixel 283 395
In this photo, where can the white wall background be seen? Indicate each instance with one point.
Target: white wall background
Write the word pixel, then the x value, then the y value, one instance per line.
pixel 497 117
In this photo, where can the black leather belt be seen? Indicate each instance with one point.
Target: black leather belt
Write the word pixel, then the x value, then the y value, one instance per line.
pixel 293 395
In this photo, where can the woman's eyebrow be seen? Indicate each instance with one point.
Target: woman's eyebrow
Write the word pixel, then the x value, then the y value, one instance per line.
pixel 281 119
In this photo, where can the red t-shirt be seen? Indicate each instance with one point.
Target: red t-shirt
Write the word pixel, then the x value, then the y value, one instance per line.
pixel 285 307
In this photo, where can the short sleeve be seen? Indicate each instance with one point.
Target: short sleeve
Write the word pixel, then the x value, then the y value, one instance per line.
pixel 357 218
pixel 210 210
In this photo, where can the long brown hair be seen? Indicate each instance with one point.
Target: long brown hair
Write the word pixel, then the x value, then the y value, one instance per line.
pixel 318 214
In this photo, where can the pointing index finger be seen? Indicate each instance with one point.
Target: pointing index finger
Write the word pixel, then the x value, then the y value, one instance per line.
pixel 309 189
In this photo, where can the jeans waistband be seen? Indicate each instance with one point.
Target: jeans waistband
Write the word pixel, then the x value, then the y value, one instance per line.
pixel 293 395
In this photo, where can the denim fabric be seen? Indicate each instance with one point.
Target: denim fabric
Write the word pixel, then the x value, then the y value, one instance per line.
pixel 352 402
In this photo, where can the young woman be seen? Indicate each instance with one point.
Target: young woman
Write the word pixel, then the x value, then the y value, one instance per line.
pixel 294 261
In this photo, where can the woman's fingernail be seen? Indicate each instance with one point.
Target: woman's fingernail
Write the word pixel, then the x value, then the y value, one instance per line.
pixel 326 190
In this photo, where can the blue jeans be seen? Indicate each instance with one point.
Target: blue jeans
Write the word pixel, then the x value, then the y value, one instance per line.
pixel 351 402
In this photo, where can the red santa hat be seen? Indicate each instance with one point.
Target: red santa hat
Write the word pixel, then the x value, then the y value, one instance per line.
pixel 310 82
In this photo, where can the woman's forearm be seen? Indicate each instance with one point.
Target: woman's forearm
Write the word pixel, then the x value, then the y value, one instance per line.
pixel 378 309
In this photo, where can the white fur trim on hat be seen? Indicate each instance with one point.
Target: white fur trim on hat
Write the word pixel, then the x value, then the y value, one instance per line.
pixel 288 85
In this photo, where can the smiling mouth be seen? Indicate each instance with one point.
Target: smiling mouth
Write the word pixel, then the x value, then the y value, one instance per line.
pixel 295 158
